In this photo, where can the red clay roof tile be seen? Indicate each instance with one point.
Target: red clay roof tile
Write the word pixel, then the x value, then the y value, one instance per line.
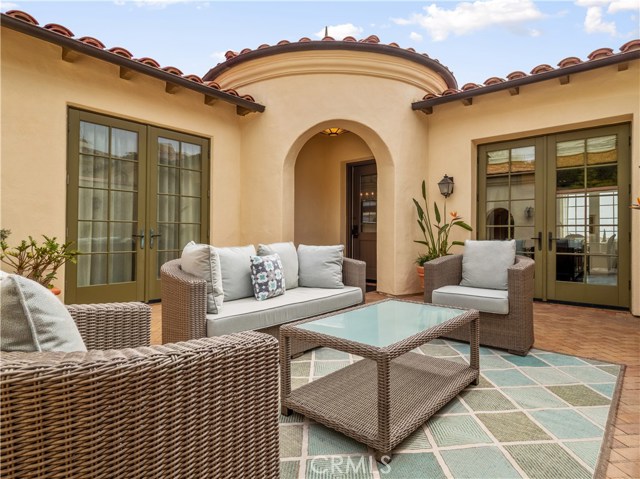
pixel 304 40
pixel 194 78
pixel 264 45
pixel 515 75
pixel 24 16
pixel 148 61
pixel 492 81
pixel 248 97
pixel 541 69
pixel 567 62
pixel 212 84
pixel 631 45
pixel 450 91
pixel 349 39
pixel 173 70
pixel 94 42
pixel 328 39
pixel 600 53
pixel 123 52
pixel 230 54
pixel 245 50
pixel 62 30
pixel 470 86
pixel 429 96
pixel 371 39
pixel 231 91
pixel 283 42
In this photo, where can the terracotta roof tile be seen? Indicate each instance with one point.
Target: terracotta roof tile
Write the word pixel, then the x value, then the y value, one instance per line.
pixel 194 78
pixel 264 45
pixel 148 61
pixel 245 50
pixel 304 40
pixel 349 39
pixel 450 91
pixel 492 81
pixel 230 54
pixel 283 42
pixel 394 44
pixel 123 52
pixel 600 53
pixel 231 91
pixel 371 39
pixel 24 16
pixel 94 42
pixel 328 39
pixel 515 75
pixel 412 50
pixel 429 96
pixel 54 27
pixel 173 70
pixel 541 69
pixel 631 45
pixel 567 62
pixel 470 86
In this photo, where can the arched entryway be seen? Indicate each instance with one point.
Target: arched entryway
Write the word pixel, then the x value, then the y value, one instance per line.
pixel 326 174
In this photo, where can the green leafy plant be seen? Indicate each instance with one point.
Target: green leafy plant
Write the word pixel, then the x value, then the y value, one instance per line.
pixel 37 261
pixel 436 235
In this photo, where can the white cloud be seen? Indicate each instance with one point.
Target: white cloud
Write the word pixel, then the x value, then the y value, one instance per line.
pixel 620 5
pixel 5 6
pixel 156 4
pixel 218 56
pixel 416 37
pixel 468 17
pixel 593 22
pixel 340 31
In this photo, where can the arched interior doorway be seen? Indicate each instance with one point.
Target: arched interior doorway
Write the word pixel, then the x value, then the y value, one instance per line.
pixel 336 196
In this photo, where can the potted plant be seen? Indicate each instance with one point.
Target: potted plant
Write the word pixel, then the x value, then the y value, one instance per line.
pixel 37 261
pixel 436 235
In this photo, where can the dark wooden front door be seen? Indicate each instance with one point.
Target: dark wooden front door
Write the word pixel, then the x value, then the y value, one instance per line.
pixel 363 215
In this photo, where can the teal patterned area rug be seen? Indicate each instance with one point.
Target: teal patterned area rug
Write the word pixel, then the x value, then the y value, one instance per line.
pixel 546 415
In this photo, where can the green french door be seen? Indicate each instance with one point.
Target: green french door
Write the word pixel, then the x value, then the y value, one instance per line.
pixel 563 198
pixel 136 195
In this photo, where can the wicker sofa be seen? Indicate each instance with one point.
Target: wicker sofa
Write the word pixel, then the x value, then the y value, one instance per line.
pixel 204 408
pixel 512 331
pixel 184 314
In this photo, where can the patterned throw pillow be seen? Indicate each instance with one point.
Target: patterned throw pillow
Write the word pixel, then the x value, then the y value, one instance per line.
pixel 267 276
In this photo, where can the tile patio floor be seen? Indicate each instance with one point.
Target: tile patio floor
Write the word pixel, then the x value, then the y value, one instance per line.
pixel 608 335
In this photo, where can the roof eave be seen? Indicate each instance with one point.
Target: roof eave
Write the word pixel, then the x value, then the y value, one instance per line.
pixel 243 106
pixel 429 62
pixel 465 96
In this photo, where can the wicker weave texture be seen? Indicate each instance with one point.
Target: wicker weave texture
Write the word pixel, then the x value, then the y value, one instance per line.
pixel 184 302
pixel 376 401
pixel 201 409
pixel 513 331
pixel 113 325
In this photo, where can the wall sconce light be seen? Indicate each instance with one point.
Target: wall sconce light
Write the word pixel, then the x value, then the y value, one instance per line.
pixel 528 212
pixel 333 131
pixel 446 186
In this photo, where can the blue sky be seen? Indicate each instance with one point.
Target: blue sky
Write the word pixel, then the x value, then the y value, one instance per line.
pixel 476 40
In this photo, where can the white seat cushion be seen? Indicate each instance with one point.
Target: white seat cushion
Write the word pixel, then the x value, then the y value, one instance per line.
pixel 485 300
pixel 299 303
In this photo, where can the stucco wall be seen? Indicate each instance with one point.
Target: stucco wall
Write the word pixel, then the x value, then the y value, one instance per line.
pixel 37 89
pixel 595 98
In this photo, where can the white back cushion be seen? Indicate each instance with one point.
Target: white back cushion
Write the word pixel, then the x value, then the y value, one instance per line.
pixel 235 263
pixel 485 263
pixel 202 261
pixel 288 256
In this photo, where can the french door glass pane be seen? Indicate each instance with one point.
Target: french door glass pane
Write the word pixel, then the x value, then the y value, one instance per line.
pixel 602 150
pixel 179 197
pixel 107 216
pixel 570 153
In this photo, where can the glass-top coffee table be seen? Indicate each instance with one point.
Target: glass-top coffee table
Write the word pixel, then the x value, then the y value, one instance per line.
pixel 383 398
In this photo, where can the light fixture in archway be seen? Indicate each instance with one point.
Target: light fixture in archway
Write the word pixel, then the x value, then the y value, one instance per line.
pixel 333 131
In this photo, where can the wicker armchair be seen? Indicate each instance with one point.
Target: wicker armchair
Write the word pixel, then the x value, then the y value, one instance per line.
pixel 513 331
pixel 184 303
pixel 206 408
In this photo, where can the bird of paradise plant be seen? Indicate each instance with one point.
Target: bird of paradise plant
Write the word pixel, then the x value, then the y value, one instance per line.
pixel 636 205
pixel 436 235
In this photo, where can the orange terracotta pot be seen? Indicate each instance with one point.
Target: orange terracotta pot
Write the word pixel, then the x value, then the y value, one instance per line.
pixel 420 270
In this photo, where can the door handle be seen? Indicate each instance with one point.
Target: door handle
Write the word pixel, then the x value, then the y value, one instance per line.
pixel 152 235
pixel 551 240
pixel 141 236
pixel 539 240
pixel 355 231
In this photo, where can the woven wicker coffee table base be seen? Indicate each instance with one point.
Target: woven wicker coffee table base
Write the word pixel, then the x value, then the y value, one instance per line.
pixel 409 389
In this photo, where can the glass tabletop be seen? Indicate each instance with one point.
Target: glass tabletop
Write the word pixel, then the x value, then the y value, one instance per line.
pixel 384 323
